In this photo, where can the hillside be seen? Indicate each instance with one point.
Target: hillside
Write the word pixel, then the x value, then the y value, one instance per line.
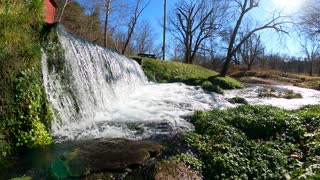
pixel 168 72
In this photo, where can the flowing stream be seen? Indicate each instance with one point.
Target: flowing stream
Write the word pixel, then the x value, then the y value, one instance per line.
pixel 99 93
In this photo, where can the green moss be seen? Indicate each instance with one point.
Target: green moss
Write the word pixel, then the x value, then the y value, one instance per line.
pixel 238 100
pixel 53 49
pixel 249 142
pixel 207 85
pixel 22 178
pixel 225 82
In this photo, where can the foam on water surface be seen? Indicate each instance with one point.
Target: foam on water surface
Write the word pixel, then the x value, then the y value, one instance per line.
pixel 100 94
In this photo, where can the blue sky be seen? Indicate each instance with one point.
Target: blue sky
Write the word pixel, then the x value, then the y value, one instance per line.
pixel 288 45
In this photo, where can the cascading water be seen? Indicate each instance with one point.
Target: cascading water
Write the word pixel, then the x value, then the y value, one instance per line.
pixel 88 88
pixel 91 81
pixel 94 93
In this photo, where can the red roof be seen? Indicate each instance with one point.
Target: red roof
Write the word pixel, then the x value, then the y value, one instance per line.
pixel 50 10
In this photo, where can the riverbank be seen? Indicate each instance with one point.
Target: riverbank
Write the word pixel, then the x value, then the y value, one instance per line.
pixel 278 78
pixel 243 142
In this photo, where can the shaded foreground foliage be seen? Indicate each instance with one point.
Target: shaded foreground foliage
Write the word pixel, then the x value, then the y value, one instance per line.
pixel 163 72
pixel 263 142
pixel 24 111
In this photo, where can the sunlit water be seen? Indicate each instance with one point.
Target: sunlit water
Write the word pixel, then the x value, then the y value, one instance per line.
pixel 153 109
pixel 251 94
pixel 100 94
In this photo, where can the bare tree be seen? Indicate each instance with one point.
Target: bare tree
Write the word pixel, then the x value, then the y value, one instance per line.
pixel 311 49
pixel 310 19
pixel 193 22
pixel 114 14
pixel 144 38
pixel 133 21
pixel 251 49
pixel 243 8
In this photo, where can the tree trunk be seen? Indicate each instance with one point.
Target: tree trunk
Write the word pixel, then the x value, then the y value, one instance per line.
pixel 107 23
pixel 311 68
pixel 225 67
pixel 249 67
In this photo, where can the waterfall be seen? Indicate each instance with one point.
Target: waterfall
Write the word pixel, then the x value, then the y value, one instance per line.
pixel 96 93
pixel 85 81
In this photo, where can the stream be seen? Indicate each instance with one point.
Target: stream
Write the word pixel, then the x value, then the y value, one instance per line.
pixel 154 109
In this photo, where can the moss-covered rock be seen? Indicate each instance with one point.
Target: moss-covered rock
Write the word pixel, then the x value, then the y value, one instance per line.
pixel 207 85
pixel 279 93
pixel 225 82
pixel 238 100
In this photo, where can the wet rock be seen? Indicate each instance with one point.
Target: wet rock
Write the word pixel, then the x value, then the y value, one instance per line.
pixel 114 155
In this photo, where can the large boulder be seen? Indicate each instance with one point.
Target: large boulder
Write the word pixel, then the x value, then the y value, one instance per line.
pixel 102 155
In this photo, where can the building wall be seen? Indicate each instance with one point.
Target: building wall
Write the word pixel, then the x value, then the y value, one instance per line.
pixel 49 11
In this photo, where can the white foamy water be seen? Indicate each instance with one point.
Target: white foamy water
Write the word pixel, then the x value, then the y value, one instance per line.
pixel 309 96
pixel 100 94
pixel 153 109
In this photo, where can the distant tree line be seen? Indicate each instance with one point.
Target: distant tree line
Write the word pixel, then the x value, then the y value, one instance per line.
pixel 110 23
pixel 218 34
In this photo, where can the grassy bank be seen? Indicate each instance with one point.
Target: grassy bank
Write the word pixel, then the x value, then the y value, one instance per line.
pixel 164 71
pixel 261 142
pixel 24 112
pixel 276 77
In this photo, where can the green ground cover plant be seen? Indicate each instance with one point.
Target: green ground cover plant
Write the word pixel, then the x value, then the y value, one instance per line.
pixel 257 142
